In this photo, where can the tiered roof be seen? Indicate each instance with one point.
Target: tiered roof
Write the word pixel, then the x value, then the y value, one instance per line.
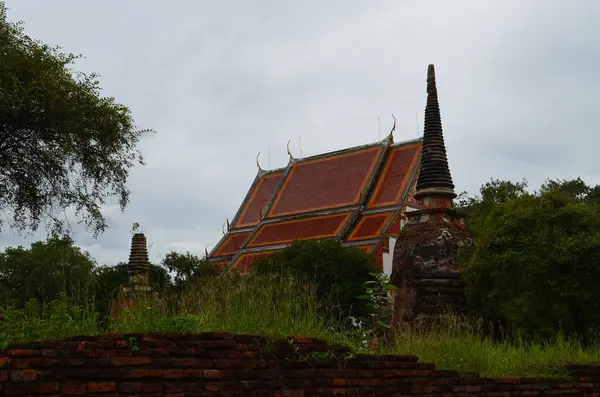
pixel 356 195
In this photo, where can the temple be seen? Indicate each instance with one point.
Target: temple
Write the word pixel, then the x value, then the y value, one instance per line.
pixel 357 195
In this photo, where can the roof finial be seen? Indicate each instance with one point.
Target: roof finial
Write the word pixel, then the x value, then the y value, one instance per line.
pixel 390 136
pixel 228 225
pixel 434 174
pixel 257 163
pixel 288 148
pixel 205 252
pixel 223 229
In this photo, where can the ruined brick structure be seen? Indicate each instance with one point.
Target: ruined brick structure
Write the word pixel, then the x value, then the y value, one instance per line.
pixel 137 268
pixel 356 195
pixel 180 365
pixel 138 285
pixel 425 263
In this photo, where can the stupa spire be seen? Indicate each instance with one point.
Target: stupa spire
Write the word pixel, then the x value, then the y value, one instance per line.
pixel 434 175
pixel 138 262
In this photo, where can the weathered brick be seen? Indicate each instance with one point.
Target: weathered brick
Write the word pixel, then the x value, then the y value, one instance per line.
pixel 101 387
pixel 212 374
pixel 23 353
pixel 73 388
pixel 4 362
pixel 25 375
pixel 44 388
pixel 144 373
pixel 194 373
pixel 130 387
pixel 130 361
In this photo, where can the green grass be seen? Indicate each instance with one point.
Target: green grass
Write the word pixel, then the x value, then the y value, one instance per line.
pixel 457 343
pixel 269 306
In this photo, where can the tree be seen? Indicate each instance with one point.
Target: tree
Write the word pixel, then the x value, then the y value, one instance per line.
pixel 536 263
pixel 187 267
pixel 44 270
pixel 337 271
pixel 62 145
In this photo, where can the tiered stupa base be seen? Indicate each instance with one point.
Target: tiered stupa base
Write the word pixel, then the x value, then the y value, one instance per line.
pixel 426 271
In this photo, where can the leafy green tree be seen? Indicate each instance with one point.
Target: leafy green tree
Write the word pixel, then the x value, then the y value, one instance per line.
pixel 187 267
pixel 536 263
pixel 338 272
pixel 44 270
pixel 62 145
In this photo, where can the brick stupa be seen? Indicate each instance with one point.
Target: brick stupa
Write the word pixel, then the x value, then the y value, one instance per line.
pixel 138 266
pixel 138 285
pixel 426 269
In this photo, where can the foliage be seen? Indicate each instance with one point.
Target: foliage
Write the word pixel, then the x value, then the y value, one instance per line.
pixel 59 318
pixel 377 297
pixel 536 263
pixel 256 304
pixel 227 303
pixel 458 343
pixel 339 272
pixel 43 271
pixel 62 145
pixel 187 267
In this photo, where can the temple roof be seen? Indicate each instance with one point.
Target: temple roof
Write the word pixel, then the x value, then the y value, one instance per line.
pixel 264 186
pixel 354 195
pixel 326 182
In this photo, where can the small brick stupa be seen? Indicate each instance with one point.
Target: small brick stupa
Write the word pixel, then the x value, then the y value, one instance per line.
pixel 425 267
pixel 137 268
pixel 138 285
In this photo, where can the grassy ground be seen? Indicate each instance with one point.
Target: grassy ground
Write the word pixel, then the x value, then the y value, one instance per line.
pixel 267 306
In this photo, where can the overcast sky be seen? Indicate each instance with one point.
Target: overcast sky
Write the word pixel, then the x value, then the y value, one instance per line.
pixel 221 81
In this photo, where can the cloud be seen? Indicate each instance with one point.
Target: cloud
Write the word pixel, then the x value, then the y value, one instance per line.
pixel 221 81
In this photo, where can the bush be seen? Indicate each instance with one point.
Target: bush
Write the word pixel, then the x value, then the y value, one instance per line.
pixel 338 272
pixel 536 263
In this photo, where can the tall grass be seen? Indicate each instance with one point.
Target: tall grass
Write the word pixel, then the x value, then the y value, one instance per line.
pixel 263 305
pixel 459 343
pixel 60 318
pixel 283 306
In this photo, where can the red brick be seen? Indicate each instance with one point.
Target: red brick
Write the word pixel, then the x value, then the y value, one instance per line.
pixel 130 387
pixel 144 373
pixel 149 387
pixel 50 353
pixel 4 362
pixel 19 363
pixel 194 373
pixel 101 387
pixel 77 389
pixel 3 376
pixel 44 388
pixel 26 375
pixel 41 362
pixel 23 353
pixel 212 374
pixel 173 373
pixel 130 361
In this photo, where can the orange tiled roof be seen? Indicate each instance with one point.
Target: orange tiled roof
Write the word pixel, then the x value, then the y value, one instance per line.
pixel 370 226
pixel 299 229
pixel 395 175
pixel 257 198
pixel 355 195
pixel 326 183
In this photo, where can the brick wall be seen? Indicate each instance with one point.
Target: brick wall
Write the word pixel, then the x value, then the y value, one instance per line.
pixel 237 365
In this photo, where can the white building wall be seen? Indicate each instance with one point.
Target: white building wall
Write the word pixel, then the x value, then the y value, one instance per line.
pixel 388 258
